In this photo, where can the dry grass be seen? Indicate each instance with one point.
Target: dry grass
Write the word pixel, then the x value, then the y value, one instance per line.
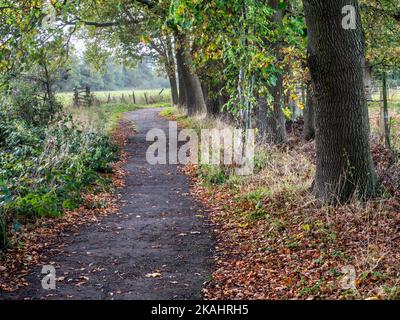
pixel 100 118
pixel 304 247
pixel 276 241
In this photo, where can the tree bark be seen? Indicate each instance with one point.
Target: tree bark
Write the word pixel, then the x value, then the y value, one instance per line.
pixel 194 93
pixel 174 89
pixel 165 49
pixel 211 98
pixel 344 162
pixel 194 99
pixel 181 82
pixel 171 71
pixel 270 120
pixel 309 115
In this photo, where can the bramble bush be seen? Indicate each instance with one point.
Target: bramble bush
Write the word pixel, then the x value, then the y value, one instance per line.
pixel 46 160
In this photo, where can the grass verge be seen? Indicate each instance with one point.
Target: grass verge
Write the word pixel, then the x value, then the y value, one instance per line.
pixel 275 241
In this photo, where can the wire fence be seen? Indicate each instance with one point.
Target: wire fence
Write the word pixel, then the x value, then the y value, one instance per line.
pixel 383 123
pixel 385 120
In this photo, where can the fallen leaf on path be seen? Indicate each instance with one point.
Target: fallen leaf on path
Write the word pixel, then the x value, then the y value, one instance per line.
pixel 153 275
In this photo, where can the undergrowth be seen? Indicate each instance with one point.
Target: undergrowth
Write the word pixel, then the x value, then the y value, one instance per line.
pixel 45 166
pixel 276 241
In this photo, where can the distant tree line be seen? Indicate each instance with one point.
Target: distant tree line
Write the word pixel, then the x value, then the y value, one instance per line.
pixel 393 79
pixel 114 76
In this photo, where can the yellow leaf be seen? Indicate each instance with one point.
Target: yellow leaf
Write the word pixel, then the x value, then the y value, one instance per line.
pixel 153 275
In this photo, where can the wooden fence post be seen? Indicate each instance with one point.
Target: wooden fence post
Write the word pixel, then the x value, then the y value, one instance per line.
pixel 88 97
pixel 76 98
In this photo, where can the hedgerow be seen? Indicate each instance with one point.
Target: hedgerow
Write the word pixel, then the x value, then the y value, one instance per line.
pixel 46 161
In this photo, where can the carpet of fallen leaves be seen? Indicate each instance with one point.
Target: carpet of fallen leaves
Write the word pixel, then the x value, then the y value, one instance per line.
pixel 31 242
pixel 298 249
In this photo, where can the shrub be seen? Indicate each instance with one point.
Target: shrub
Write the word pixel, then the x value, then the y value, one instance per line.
pixel 212 174
pixel 45 164
pixel 25 102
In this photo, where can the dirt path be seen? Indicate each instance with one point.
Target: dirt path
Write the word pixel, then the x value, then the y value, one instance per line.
pixel 160 230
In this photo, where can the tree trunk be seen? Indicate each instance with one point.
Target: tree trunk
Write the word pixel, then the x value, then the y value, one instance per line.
pixel 3 233
pixel 180 67
pixel 309 115
pixel 211 98
pixel 194 99
pixel 194 93
pixel 344 162
pixel 174 89
pixel 270 120
pixel 171 71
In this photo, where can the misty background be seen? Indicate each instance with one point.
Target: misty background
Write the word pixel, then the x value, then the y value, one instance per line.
pixel 114 76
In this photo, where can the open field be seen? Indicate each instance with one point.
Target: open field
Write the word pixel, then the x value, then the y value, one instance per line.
pixel 153 96
pixel 394 114
pixel 105 117
pixel 393 99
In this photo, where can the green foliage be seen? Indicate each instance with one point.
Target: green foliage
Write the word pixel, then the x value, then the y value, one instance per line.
pixel 261 159
pixel 167 112
pixel 256 199
pixel 382 30
pixel 40 205
pixel 19 21
pixel 314 289
pixel 62 162
pixel 235 48
pixel 45 165
pixel 211 174
pixel 27 103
